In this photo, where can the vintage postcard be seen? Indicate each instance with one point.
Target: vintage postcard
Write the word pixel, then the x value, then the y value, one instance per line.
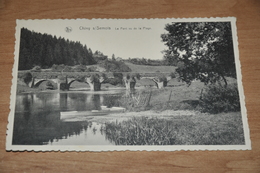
pixel 127 84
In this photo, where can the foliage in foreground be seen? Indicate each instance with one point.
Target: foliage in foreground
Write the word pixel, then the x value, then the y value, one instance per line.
pixel 137 101
pixel 224 129
pixel 216 99
pixel 201 50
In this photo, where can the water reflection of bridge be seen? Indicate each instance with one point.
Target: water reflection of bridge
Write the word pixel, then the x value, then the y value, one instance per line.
pixel 37 115
pixel 61 101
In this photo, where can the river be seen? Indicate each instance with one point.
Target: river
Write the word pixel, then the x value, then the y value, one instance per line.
pixel 37 117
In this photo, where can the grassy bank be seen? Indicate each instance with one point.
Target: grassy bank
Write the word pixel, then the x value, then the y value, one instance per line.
pixel 177 98
pixel 169 98
pixel 200 129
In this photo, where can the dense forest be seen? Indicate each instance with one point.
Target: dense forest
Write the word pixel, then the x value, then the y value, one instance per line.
pixel 44 50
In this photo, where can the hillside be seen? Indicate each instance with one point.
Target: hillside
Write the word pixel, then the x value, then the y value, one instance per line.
pixel 150 69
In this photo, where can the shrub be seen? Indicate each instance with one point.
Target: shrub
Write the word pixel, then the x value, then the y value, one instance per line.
pixel 67 69
pixel 57 68
pixel 80 78
pixel 114 81
pixel 162 78
pixel 62 68
pixel 216 99
pixel 172 75
pixel 79 68
pixel 62 78
pixel 115 66
pixel 118 79
pixel 118 75
pixel 91 69
pixel 138 76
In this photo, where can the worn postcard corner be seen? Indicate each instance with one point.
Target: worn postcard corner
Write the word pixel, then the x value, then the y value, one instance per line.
pixel 127 84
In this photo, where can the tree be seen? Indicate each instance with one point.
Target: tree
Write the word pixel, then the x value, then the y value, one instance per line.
pixel 202 50
pixel 44 50
pixel 113 57
pixel 57 54
pixel 118 78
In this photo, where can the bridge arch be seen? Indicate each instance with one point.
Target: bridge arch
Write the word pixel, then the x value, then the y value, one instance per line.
pixel 39 82
pixel 74 80
pixel 70 82
pixel 146 82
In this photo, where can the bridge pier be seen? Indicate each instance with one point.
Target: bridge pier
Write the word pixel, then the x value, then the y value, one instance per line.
pixel 58 86
pixel 31 84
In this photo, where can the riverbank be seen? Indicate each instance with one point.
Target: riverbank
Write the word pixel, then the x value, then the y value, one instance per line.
pixel 118 117
pixel 171 127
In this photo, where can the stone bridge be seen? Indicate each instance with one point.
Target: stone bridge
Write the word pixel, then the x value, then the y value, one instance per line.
pixel 36 82
pixel 66 82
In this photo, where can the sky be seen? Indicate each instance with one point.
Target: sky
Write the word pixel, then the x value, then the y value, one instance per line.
pixel 134 38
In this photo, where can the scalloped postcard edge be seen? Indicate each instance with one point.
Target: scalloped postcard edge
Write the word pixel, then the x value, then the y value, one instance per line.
pixel 45 23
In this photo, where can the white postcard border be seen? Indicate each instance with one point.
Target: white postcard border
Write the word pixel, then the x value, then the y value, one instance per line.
pixel 10 147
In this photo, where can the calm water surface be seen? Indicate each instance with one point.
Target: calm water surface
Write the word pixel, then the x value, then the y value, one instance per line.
pixel 37 118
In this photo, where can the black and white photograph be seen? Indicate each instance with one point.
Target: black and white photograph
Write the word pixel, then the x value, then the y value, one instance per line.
pixel 127 84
